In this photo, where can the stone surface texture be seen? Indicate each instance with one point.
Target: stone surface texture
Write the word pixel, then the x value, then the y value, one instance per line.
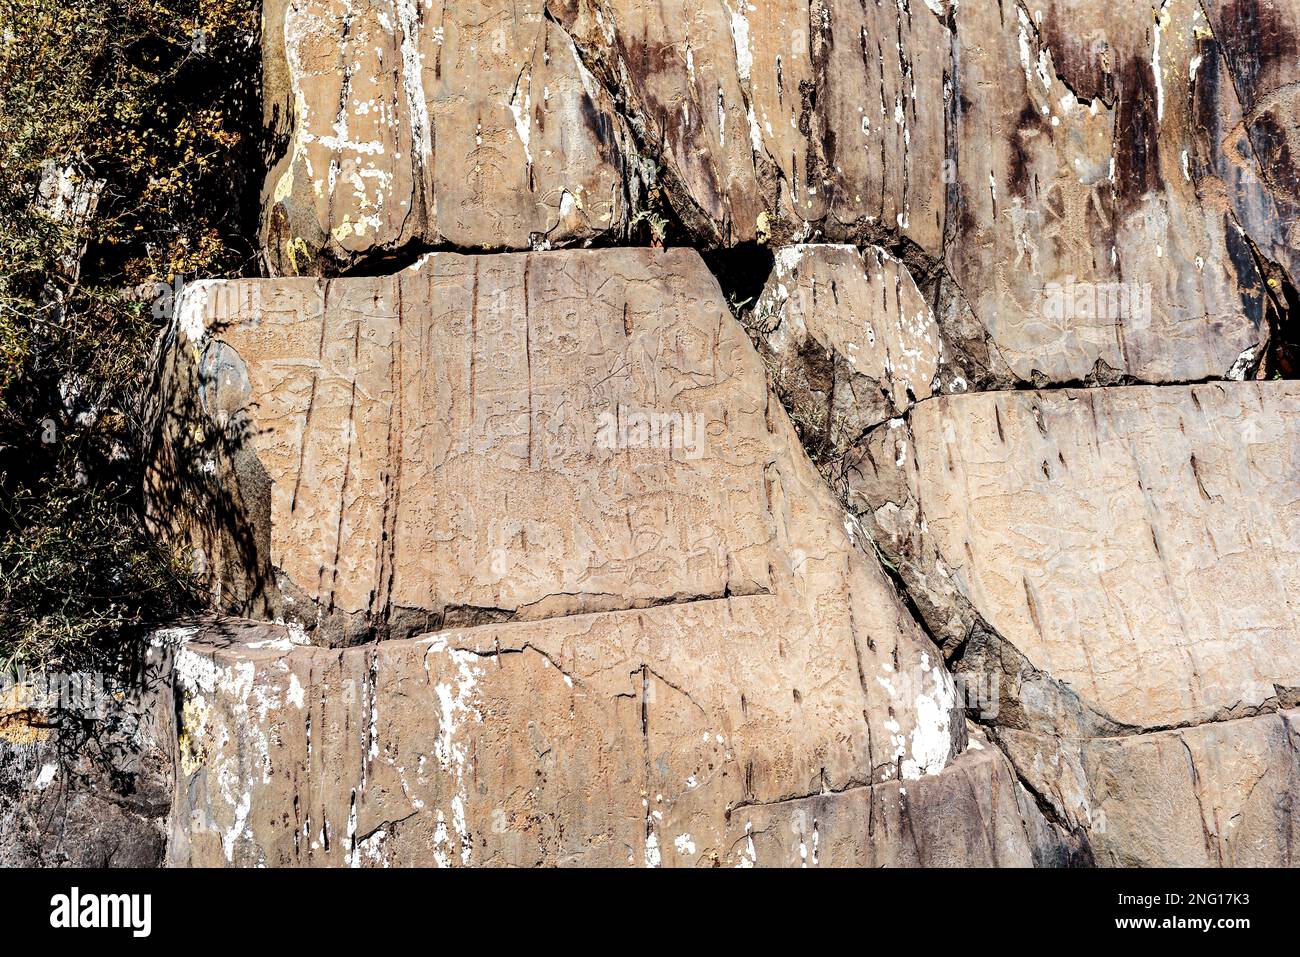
pixel 782 121
pixel 724 433
pixel 656 737
pixel 849 338
pixel 1107 564
pixel 514 437
pixel 410 122
pixel 1141 544
pixel 686 622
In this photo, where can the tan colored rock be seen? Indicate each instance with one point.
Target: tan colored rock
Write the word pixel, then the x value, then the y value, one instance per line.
pixel 848 339
pixel 412 123
pixel 670 736
pixel 1214 795
pixel 474 438
pixel 923 823
pixel 1088 229
pixel 877 480
pixel 1140 544
pixel 787 120
pixel 1099 565
pixel 541 573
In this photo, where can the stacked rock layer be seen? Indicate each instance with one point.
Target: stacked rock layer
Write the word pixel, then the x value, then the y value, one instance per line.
pixel 800 433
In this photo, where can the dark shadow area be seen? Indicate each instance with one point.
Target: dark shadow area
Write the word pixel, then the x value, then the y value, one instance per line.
pixel 1282 313
pixel 92 785
pixel 741 271
pixel 204 489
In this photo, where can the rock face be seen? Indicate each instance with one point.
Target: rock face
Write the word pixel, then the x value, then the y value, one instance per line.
pixel 1116 562
pixel 1087 235
pixel 782 121
pixel 1220 794
pixel 517 437
pixel 849 339
pixel 1248 108
pixel 1126 227
pixel 663 736
pixel 640 587
pixel 957 525
pixel 414 123
pixel 1141 544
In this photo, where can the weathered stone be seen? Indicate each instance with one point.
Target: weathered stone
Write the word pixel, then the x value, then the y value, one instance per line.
pixel 541 573
pixel 848 339
pixel 671 735
pixel 1140 544
pixel 1101 564
pixel 1087 236
pixel 297 454
pixel 1216 795
pixel 473 439
pixel 1247 101
pixel 787 120
pixel 413 123
pixel 456 448
pixel 924 823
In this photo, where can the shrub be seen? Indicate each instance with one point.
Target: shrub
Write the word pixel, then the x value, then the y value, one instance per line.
pixel 127 159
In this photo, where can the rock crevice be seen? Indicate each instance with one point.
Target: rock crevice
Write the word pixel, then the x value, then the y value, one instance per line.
pixel 803 433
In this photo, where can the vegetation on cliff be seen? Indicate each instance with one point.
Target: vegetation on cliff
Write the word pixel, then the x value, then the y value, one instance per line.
pixel 126 168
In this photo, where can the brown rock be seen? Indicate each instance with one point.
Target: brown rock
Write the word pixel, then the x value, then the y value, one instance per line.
pixel 1214 795
pixel 1087 236
pixel 612 614
pixel 1100 565
pixel 848 339
pixel 668 736
pixel 1248 102
pixel 475 438
pixel 781 120
pixel 411 124
pixel 361 465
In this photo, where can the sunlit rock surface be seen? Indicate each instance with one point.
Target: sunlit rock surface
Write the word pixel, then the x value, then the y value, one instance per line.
pixel 929 500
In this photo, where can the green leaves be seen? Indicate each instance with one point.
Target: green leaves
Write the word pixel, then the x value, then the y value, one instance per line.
pixel 129 155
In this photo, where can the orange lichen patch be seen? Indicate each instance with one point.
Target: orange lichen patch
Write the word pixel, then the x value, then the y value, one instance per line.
pixel 23 726
pixel 20 723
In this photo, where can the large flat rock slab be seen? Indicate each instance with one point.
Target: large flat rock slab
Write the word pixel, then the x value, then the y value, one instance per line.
pixel 1115 571
pixel 688 735
pixel 506 436
pixel 1140 544
pixel 416 123
pixel 1091 232
pixel 463 449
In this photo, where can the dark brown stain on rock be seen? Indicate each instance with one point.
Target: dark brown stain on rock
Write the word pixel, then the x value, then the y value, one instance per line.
pixel 1137 147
